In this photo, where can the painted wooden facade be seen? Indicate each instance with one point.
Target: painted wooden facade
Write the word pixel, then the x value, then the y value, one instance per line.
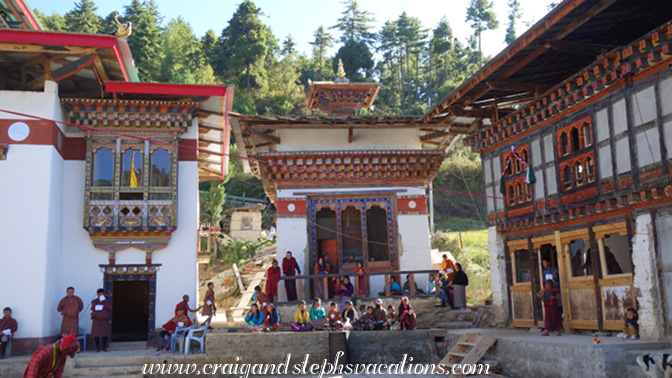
pixel 598 142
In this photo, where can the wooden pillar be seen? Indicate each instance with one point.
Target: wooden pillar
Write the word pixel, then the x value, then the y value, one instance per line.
pixel 299 289
pixel 411 283
pixel 437 283
pixel 564 282
pixel 387 285
pixel 534 281
pixel 325 287
pixel 595 262
pixel 356 279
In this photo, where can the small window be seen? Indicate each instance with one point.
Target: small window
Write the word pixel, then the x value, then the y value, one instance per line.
pixel 508 171
pixel 578 173
pixel 525 157
pixel 564 144
pixel 511 196
pixel 160 173
pixel 590 170
pixel 574 134
pixel 519 193
pixel 587 135
pixel 567 178
pixel 522 261
pixel 103 167
pixel 131 168
pixel 517 163
pixel 616 254
pixel 529 191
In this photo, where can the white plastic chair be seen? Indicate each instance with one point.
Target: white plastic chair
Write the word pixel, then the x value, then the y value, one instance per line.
pixel 82 336
pixel 179 334
pixel 197 334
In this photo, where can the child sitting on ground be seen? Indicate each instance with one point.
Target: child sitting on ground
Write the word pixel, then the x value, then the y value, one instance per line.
pixel 301 319
pixel 552 317
pixel 366 321
pixel 334 318
pixel 390 317
pixel 180 320
pixel 631 326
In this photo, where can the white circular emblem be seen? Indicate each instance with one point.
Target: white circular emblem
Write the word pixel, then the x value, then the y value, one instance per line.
pixel 291 207
pixel 412 204
pixel 18 131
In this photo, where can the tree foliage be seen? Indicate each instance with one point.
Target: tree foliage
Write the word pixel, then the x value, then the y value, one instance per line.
pixel 514 15
pixel 482 18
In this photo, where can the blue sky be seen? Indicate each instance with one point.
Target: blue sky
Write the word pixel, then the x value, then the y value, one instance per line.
pixel 301 18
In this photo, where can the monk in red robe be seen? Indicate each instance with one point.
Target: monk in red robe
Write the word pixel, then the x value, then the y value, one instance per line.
pixel 209 301
pixel 272 278
pixel 8 327
pixel 70 307
pixel 290 268
pixel 48 361
pixel 185 306
pixel 101 310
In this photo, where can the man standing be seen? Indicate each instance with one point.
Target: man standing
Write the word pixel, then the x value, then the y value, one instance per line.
pixel 70 307
pixel 290 268
pixel 8 326
pixel 272 279
pixel 209 301
pixel 49 360
pixel 101 309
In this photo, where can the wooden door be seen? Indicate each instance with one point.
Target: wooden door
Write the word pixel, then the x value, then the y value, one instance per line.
pixel 522 301
pixel 578 289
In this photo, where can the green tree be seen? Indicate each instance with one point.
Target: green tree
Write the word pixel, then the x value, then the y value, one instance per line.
pixel 83 18
pixel 145 42
pixel 184 61
pixel 245 46
pixel 53 22
pixel 357 60
pixel 288 46
pixel 321 43
pixel 355 24
pixel 514 14
pixel 440 58
pixel 483 18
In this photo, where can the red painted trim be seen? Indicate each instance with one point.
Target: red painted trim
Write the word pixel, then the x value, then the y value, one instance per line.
pixel 121 61
pixel 29 16
pixel 282 207
pixel 43 133
pixel 188 154
pixel 420 205
pixel 165 89
pixel 52 38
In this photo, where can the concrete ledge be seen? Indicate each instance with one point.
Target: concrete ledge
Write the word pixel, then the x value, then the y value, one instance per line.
pixel 528 354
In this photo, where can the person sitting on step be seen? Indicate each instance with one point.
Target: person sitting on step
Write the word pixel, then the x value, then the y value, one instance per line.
pixel 254 320
pixel 318 318
pixel 301 319
pixel 272 319
pixel 334 318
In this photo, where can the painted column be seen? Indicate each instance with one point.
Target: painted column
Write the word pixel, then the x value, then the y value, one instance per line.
pixel 500 301
pixel 645 281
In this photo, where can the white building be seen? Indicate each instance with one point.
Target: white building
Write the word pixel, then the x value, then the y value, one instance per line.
pixel 345 185
pixel 73 213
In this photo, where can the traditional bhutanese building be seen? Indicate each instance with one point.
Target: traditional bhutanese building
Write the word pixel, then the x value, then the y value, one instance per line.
pixel 345 185
pixel 99 179
pixel 572 122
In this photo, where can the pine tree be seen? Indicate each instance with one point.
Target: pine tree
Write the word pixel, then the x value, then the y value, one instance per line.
pixel 184 61
pixel 145 42
pixel 514 15
pixel 483 18
pixel 321 44
pixel 355 24
pixel 245 45
pixel 53 22
pixel 210 46
pixel 357 60
pixel 288 46
pixel 83 18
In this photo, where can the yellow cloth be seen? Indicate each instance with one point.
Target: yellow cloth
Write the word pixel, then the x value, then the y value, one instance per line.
pixel 134 178
pixel 301 318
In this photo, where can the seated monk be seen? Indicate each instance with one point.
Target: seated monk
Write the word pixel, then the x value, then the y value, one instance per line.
pixel 179 320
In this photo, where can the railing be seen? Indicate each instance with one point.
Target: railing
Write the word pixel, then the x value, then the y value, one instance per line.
pixel 353 279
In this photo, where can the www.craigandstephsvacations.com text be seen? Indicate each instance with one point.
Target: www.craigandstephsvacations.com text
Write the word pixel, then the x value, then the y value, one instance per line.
pixel 306 367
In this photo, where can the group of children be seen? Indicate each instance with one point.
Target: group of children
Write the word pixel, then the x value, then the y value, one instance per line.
pixel 375 318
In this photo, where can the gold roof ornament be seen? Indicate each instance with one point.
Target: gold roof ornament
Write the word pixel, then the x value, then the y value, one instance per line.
pixel 341 79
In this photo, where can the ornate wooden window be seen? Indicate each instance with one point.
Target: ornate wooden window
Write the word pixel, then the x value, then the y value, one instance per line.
pixel 377 231
pixel 522 266
pixel 519 193
pixel 587 135
pixel 590 170
pixel 529 191
pixel 103 167
pixel 575 140
pixel 511 196
pixel 351 233
pixel 564 144
pixel 578 174
pixel 567 178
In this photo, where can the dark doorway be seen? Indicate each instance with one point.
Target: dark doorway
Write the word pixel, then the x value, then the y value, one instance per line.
pixel 130 310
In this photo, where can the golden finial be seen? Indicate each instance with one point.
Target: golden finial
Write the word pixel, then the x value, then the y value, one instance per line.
pixel 341 71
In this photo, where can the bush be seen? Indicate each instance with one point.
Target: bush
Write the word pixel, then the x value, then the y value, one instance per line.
pixel 231 251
